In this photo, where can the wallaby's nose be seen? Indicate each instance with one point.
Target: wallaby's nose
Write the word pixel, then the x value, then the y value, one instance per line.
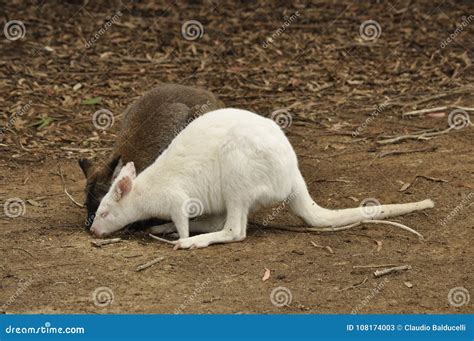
pixel 96 232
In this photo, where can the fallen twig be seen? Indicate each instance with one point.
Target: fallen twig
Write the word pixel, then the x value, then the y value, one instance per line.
pixel 387 271
pixel 352 286
pixel 335 180
pixel 431 178
pixel 371 266
pixel 424 111
pixel 102 242
pixel 416 136
pixel 398 152
pixel 65 189
pixel 409 184
pixel 405 102
pixel 149 264
pixel 24 250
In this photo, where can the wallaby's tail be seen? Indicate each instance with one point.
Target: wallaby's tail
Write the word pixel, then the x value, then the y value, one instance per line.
pixel 303 206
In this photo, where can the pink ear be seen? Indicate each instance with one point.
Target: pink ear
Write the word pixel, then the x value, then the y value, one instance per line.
pixel 123 187
pixel 131 170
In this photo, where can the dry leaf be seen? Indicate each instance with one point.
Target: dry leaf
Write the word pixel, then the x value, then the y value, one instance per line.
pixel 327 247
pixel 465 184
pixel 266 275
pixel 379 245
pixel 405 187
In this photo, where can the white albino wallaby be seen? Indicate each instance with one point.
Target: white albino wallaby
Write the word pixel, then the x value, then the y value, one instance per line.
pixel 223 165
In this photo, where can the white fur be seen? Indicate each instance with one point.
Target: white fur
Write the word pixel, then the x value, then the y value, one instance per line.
pixel 229 162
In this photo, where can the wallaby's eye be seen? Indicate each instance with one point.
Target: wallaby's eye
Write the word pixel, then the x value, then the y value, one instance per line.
pixel 104 214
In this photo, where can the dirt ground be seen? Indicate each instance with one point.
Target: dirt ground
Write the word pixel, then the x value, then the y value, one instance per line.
pixel 324 72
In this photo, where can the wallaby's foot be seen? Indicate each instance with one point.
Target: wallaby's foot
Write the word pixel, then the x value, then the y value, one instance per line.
pixel 204 240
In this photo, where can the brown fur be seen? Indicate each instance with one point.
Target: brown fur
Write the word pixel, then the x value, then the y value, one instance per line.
pixel 148 127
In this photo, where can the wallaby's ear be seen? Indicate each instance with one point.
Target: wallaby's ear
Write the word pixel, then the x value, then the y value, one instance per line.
pixel 85 165
pixel 122 188
pixel 128 170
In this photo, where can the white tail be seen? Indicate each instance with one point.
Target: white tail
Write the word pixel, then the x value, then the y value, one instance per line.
pixel 303 206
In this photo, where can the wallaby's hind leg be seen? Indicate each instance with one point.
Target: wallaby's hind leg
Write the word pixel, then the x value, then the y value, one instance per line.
pixel 233 231
pixel 205 225
pixel 163 229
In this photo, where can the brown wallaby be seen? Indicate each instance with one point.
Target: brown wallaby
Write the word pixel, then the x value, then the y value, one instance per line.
pixel 148 127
